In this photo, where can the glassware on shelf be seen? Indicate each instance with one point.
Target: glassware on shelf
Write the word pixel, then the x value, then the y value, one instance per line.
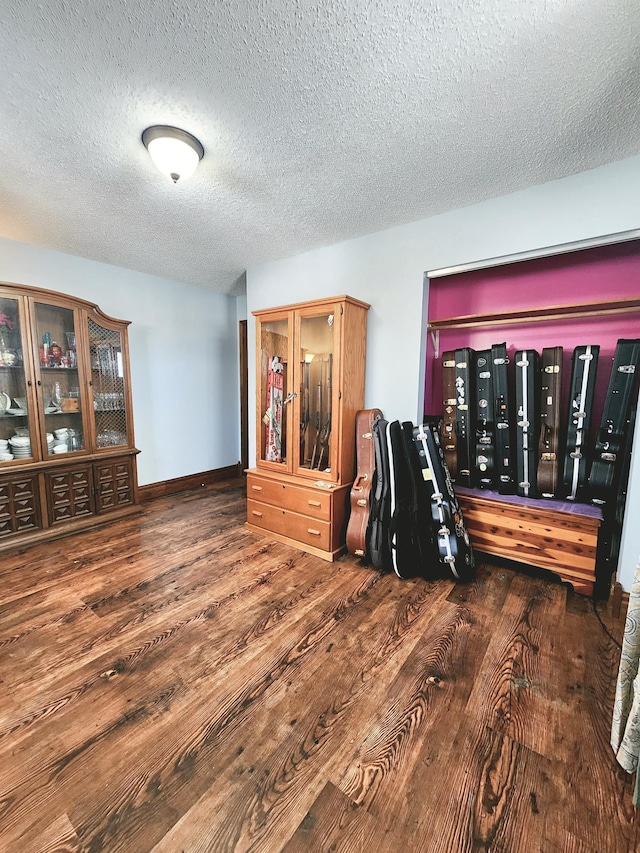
pixel 56 395
pixel 8 331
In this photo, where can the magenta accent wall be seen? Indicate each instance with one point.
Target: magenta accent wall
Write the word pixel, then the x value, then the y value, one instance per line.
pixel 591 275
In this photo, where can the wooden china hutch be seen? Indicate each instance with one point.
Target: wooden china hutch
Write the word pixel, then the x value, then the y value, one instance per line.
pixel 310 384
pixel 67 454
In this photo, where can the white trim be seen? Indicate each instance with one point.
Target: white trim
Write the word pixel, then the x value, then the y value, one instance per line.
pixel 532 254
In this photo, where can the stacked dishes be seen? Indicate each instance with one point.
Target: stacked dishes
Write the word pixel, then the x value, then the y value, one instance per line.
pixel 21 445
pixel 5 451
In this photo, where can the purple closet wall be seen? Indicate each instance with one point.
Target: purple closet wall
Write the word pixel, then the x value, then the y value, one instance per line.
pixel 590 275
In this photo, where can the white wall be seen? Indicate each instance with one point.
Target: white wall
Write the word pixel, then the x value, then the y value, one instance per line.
pixel 386 269
pixel 184 356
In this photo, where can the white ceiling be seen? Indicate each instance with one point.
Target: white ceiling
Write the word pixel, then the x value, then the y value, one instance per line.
pixel 320 120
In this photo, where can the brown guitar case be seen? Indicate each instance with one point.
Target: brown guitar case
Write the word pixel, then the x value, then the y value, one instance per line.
pixel 360 495
pixel 449 404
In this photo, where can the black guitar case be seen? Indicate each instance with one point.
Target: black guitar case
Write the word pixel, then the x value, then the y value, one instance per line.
pixel 379 521
pixel 549 451
pixel 465 428
pixel 621 492
pixel 420 507
pixel 504 454
pixel 608 456
pixel 485 421
pixel 610 533
pixel 527 396
pixel 449 406
pixel 404 545
pixel 455 554
pixel 584 367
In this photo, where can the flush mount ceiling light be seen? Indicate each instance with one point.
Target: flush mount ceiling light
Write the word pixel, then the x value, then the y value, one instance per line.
pixel 175 152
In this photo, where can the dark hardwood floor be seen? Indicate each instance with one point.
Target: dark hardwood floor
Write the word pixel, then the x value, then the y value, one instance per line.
pixel 175 683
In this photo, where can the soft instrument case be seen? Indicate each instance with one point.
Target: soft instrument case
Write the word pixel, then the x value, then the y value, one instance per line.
pixel 378 529
pixel 360 494
pixel 404 535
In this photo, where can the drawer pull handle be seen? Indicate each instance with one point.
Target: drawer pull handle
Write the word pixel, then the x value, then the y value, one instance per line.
pixel 313 532
pixel 314 503
pixel 255 512
pixel 257 488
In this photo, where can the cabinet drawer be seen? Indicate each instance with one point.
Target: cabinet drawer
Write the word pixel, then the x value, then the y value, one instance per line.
pixel 302 528
pixel 69 493
pixel 312 502
pixel 19 504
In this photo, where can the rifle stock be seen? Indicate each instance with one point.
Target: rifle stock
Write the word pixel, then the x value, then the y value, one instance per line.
pixel 316 446
pixel 326 429
pixel 304 419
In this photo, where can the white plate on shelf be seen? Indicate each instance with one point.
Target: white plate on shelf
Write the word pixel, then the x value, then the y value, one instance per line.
pixel 52 410
pixel 5 402
pixel 22 412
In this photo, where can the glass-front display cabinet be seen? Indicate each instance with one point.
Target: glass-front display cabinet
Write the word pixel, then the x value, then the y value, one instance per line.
pixel 310 373
pixel 67 455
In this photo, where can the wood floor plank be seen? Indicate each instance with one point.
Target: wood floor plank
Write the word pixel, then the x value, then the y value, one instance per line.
pixel 411 733
pixel 494 800
pixel 334 823
pixel 175 683
pixel 199 721
pixel 488 589
pixel 193 729
pixel 285 771
pixel 58 837
pixel 511 693
pixel 584 713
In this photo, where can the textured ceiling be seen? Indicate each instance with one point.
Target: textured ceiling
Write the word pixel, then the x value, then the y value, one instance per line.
pixel 320 120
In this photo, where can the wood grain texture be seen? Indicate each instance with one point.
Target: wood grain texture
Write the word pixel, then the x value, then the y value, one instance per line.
pixel 185 685
pixel 564 543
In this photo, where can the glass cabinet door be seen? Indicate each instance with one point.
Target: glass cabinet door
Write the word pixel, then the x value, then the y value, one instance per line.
pixel 17 416
pixel 107 381
pixel 273 341
pixel 59 384
pixel 316 347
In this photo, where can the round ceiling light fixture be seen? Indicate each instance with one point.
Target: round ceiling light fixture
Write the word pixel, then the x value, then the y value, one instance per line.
pixel 175 152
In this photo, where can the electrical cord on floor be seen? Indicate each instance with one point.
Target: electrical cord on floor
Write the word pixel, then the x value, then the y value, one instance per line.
pixel 604 627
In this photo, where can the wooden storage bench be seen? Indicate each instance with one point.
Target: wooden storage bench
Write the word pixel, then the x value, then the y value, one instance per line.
pixel 560 536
